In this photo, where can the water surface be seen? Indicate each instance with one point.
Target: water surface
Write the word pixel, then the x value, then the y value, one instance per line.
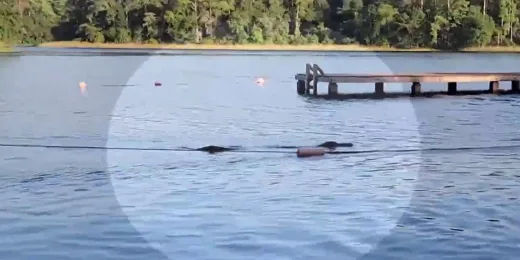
pixel 115 204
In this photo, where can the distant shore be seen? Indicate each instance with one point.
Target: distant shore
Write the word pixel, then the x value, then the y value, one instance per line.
pixel 265 47
pixel 243 47
pixel 4 48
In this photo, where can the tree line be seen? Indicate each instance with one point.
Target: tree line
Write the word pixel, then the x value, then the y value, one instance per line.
pixel 441 24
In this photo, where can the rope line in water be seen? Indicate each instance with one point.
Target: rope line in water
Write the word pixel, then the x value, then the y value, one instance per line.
pixel 218 149
pixel 137 148
pixel 118 85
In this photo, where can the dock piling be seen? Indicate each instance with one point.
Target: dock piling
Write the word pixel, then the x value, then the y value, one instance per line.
pixel 416 89
pixel 307 78
pixel 314 75
pixel 452 88
pixel 333 89
pixel 494 87
pixel 379 89
pixel 515 86
pixel 300 87
pixel 315 79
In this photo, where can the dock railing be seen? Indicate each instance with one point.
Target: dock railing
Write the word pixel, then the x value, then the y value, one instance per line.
pixel 312 74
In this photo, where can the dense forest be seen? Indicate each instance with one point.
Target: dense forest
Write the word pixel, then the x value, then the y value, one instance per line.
pixel 442 24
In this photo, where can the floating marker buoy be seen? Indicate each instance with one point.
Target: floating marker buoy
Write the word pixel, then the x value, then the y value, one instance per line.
pixel 308 152
pixel 157 84
pixel 83 87
pixel 260 81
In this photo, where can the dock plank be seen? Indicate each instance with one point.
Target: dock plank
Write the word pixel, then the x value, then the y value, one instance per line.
pixel 422 77
pixel 314 74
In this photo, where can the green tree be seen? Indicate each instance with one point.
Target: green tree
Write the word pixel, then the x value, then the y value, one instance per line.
pixel 450 24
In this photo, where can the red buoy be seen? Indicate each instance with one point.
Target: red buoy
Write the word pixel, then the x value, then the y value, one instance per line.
pixel 308 152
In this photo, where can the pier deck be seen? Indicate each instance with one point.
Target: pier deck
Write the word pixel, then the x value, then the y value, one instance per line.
pixel 314 74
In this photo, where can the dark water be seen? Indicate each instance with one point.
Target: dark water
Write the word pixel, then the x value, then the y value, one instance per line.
pixel 122 204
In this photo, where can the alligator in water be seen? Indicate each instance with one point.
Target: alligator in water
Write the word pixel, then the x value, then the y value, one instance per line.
pixel 333 145
pixel 219 149
pixel 215 149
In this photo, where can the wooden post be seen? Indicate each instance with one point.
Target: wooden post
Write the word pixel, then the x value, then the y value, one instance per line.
pixel 333 89
pixel 307 78
pixel 515 86
pixel 416 89
pixel 300 87
pixel 452 88
pixel 494 87
pixel 315 79
pixel 380 89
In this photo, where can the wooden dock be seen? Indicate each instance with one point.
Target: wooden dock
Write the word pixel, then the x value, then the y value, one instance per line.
pixel 308 81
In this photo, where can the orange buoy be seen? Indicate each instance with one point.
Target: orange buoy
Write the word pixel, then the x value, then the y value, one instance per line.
pixel 309 152
pixel 157 84
pixel 83 87
pixel 260 81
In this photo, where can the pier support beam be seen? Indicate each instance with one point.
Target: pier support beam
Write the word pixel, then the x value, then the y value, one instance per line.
pixel 315 71
pixel 308 78
pixel 515 86
pixel 416 89
pixel 314 74
pixel 333 89
pixel 300 87
pixel 380 89
pixel 494 87
pixel 452 88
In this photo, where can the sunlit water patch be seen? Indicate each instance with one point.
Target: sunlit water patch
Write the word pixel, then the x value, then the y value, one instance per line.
pixel 246 205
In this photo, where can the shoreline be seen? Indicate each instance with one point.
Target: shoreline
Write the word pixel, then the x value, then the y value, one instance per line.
pixel 9 52
pixel 4 48
pixel 263 47
pixel 228 47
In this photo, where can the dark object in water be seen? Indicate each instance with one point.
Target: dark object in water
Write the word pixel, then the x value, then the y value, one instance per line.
pixel 333 145
pixel 214 149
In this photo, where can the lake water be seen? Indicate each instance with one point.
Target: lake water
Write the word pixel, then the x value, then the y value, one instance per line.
pixel 261 203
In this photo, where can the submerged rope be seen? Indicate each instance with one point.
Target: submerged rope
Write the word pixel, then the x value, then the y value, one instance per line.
pixel 218 149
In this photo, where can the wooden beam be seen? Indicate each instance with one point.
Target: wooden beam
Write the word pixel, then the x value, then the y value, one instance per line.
pixel 428 77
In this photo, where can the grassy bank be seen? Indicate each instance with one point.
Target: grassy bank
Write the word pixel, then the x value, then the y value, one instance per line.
pixel 266 47
pixel 4 48
pixel 245 47
pixel 498 49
